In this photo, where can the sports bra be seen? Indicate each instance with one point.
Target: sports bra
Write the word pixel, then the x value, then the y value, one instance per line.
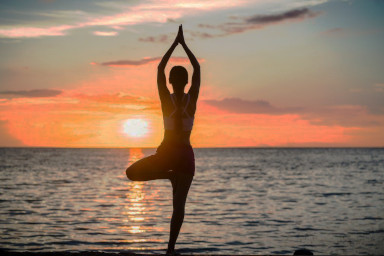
pixel 187 122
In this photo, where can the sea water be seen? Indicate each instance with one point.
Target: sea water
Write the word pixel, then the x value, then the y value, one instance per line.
pixel 242 201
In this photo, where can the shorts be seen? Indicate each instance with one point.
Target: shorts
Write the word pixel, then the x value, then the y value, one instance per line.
pixel 175 157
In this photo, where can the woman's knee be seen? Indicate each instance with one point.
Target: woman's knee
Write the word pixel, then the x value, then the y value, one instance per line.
pixel 131 173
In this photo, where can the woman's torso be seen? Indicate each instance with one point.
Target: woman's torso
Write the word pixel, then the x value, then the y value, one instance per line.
pixel 188 108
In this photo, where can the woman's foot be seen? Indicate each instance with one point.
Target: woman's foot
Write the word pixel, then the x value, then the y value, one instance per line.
pixel 171 252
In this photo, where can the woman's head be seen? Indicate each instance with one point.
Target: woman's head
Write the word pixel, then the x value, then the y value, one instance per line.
pixel 178 77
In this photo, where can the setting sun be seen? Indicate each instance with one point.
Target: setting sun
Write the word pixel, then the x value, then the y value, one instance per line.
pixel 135 127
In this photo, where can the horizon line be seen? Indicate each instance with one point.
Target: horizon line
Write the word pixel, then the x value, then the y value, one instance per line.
pixel 234 147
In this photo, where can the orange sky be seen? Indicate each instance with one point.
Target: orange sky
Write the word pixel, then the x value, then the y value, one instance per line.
pixel 289 74
pixel 93 115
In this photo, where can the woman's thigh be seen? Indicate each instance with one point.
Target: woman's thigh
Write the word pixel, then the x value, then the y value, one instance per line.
pixel 148 168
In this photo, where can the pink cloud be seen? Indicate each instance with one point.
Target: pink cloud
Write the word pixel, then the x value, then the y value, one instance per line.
pixel 143 61
pixel 254 22
pixel 105 33
pixel 156 11
pixel 35 31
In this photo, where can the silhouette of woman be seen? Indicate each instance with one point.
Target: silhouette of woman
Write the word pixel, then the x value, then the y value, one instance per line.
pixel 174 158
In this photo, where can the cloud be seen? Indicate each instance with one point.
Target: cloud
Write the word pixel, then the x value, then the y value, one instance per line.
pixel 104 33
pixel 246 23
pixel 344 115
pixel 168 38
pixel 237 105
pixel 127 63
pixel 34 31
pixel 160 11
pixel 144 61
pixel 116 98
pixel 254 22
pixel 304 3
pixel 379 87
pixel 280 17
pixel 30 93
pixel 170 20
pixel 333 32
pixel 155 39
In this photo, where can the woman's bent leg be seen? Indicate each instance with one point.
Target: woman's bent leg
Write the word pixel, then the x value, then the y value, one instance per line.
pixel 148 168
pixel 181 183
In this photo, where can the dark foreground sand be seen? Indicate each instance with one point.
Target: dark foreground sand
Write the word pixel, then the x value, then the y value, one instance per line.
pixel 2 253
pixel 5 253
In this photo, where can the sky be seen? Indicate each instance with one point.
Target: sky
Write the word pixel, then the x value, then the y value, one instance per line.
pixel 275 73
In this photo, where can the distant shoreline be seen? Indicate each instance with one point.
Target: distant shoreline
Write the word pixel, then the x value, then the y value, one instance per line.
pixel 251 147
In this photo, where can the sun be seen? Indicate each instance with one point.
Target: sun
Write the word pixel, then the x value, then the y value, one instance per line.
pixel 135 127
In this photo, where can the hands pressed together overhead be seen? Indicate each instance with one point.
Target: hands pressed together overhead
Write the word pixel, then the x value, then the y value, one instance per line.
pixel 180 36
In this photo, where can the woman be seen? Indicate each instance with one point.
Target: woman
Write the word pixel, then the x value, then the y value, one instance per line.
pixel 174 158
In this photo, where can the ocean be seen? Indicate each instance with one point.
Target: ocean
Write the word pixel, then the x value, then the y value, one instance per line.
pixel 242 201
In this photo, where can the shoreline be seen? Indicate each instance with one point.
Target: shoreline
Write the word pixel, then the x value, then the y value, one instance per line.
pixel 97 253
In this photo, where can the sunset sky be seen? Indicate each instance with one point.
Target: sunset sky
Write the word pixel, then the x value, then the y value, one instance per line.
pixel 281 73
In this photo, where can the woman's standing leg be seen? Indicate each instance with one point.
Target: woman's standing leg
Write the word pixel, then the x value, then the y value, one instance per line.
pixel 181 183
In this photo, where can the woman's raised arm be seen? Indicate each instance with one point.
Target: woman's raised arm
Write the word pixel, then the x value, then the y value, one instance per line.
pixel 195 85
pixel 161 80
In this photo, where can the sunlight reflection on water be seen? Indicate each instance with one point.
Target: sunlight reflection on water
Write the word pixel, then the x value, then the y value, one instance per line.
pixel 242 201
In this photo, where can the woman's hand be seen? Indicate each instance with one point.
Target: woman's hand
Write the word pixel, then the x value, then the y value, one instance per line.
pixel 176 41
pixel 180 35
